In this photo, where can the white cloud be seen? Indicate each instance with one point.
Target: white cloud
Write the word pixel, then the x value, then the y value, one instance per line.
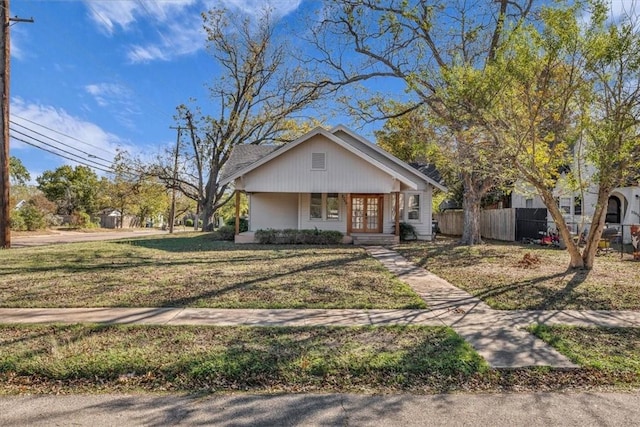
pixel 178 22
pixel 112 14
pixel 179 39
pixel 118 99
pixel 42 124
pixel 138 54
pixel 256 7
pixel 108 93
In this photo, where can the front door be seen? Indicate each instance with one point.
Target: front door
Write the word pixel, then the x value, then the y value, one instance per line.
pixel 366 213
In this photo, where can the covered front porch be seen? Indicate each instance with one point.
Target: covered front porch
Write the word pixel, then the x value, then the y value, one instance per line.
pixel 361 218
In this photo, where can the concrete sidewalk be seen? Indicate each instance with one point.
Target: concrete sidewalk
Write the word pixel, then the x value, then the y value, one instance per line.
pixel 498 336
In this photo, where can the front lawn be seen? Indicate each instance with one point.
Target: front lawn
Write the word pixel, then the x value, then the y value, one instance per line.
pixel 604 349
pixel 195 271
pixel 510 276
pixel 396 359
pixel 92 358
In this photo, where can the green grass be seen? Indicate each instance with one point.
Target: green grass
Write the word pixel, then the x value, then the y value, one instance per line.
pixel 195 271
pixel 75 358
pixel 397 359
pixel 496 273
pixel 604 349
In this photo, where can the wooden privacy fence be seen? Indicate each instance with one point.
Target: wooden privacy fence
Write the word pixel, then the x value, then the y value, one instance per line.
pixel 496 224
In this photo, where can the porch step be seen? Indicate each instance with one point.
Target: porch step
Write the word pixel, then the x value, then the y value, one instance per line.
pixel 375 239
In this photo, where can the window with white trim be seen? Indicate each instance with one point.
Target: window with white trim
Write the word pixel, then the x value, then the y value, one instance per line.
pixel 565 205
pixel 315 206
pixel 577 206
pixel 332 212
pixel 413 207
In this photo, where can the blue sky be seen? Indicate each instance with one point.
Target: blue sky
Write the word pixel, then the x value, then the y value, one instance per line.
pixel 96 75
pixel 91 76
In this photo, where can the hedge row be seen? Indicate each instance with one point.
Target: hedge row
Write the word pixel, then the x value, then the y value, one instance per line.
pixel 298 237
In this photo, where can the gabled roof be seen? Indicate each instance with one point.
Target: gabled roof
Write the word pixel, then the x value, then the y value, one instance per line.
pixel 424 171
pixel 245 158
pixel 244 155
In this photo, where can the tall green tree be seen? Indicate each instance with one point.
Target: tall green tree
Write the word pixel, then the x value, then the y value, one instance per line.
pixel 612 57
pixel 407 136
pixel 568 112
pixel 18 173
pixel 439 50
pixel 72 189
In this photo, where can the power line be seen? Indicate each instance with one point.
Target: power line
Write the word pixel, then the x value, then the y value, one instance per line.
pixel 62 134
pixel 61 155
pixel 57 141
pixel 60 149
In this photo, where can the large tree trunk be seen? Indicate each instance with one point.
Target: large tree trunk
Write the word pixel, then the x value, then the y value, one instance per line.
pixel 597 227
pixel 576 260
pixel 471 206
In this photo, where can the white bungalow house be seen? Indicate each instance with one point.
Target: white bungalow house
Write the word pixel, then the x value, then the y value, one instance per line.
pixel 331 180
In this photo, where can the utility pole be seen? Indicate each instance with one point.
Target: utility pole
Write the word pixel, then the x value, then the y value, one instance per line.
pixel 172 212
pixel 5 60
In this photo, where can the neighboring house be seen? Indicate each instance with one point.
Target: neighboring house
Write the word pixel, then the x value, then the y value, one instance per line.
pixel 112 218
pixel 331 180
pixel 623 208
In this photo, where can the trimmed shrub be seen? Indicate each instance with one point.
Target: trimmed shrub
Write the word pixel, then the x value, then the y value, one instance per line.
pixel 407 232
pixel 244 224
pixel 298 237
pixel 226 232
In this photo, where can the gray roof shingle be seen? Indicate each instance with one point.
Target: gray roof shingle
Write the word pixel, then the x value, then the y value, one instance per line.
pixel 243 155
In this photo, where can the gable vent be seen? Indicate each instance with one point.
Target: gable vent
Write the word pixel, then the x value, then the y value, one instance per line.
pixel 318 161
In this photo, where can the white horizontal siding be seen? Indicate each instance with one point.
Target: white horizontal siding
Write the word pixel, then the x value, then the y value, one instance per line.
pixel 291 172
pixel 273 210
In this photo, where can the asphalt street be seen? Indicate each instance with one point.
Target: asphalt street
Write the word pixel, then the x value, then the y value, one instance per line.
pixel 514 409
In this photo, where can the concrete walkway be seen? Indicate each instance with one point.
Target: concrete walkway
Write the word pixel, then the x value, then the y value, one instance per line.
pixel 497 335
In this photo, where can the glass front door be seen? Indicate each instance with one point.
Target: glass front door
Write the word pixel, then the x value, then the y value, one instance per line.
pixel 366 214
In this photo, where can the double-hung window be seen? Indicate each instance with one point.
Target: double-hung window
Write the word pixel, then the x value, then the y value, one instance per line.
pixel 413 207
pixel 315 208
pixel 332 207
pixel 324 207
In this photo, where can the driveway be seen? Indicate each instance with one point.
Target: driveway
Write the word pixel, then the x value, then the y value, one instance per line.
pixel 76 236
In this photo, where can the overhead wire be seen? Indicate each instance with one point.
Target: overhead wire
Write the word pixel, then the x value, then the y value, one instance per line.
pixel 60 142
pixel 98 164
pixel 62 134
pixel 61 155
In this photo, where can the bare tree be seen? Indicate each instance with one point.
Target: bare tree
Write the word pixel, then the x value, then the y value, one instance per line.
pixel 258 94
pixel 430 46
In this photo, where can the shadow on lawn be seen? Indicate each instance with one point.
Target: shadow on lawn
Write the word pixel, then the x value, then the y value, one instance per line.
pixel 546 298
pixel 291 359
pixel 242 284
